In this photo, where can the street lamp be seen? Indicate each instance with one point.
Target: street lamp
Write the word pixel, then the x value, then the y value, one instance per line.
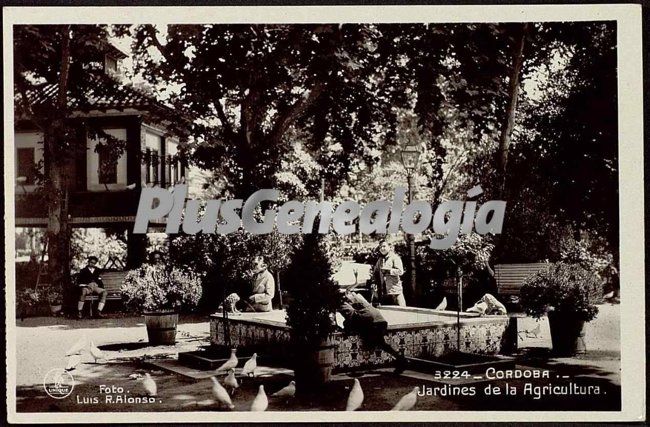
pixel 410 160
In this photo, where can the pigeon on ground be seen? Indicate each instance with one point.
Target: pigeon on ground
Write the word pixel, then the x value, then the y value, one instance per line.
pixel 442 305
pixel 250 365
pixel 149 385
pixel 95 352
pixel 261 402
pixel 231 363
pixel 221 394
pixel 407 402
pixel 355 399
pixel 288 391
pixel 73 361
pixel 77 347
pixel 231 381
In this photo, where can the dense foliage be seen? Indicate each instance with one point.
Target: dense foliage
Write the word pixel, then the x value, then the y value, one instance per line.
pixel 153 288
pixel 224 262
pixel 315 296
pixel 563 288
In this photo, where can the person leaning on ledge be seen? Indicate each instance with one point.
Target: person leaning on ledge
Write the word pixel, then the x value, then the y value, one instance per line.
pixel 263 288
pixel 90 283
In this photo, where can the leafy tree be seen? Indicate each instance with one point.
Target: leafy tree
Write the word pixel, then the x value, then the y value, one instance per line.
pixel 55 70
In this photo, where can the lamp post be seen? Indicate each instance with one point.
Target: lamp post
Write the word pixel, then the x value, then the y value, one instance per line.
pixel 410 160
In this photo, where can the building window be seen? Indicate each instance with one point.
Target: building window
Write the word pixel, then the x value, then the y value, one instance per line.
pixel 110 65
pixel 152 176
pixel 26 165
pixel 177 170
pixel 168 165
pixel 107 166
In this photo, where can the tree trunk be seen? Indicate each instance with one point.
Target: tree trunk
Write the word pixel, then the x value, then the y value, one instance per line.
pixel 513 93
pixel 58 225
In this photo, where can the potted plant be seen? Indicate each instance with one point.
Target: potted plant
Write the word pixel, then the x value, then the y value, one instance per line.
pixel 568 294
pixel 310 314
pixel 28 301
pixel 55 299
pixel 160 292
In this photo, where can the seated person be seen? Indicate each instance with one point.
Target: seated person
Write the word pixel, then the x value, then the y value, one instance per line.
pixel 90 283
pixel 263 288
pixel 367 321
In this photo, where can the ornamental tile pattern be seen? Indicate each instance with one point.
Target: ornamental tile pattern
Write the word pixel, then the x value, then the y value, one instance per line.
pixel 431 341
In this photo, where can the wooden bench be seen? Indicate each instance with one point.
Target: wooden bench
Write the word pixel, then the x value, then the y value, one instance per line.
pixel 113 284
pixel 511 277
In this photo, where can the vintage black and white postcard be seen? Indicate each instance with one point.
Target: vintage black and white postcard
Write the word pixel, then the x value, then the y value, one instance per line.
pixel 333 213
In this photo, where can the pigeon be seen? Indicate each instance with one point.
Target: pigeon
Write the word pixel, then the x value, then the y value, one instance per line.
pixel 95 352
pixel 231 381
pixel 442 305
pixel 221 394
pixel 355 399
pixel 261 402
pixel 407 401
pixel 77 347
pixel 73 361
pixel 534 332
pixel 231 363
pixel 288 391
pixel 149 385
pixel 250 365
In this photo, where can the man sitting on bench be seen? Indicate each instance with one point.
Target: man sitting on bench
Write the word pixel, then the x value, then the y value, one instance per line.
pixel 90 283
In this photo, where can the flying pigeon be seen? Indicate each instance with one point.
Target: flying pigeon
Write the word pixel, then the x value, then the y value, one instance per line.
pixel 288 391
pixel 77 347
pixel 261 402
pixel 231 381
pixel 231 363
pixel 73 361
pixel 221 394
pixel 95 352
pixel 355 399
pixel 442 305
pixel 149 385
pixel 250 365
pixel 407 401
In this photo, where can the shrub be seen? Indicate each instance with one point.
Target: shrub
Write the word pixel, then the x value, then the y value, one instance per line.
pixel 159 288
pixel 563 288
pixel 29 298
pixel 54 295
pixel 315 296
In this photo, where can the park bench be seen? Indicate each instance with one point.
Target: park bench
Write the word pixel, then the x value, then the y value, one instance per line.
pixel 113 284
pixel 511 277
pixel 112 279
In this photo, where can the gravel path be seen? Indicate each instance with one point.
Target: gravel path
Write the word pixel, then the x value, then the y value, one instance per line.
pixel 42 342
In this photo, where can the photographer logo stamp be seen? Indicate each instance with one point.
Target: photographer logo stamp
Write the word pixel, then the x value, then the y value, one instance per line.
pixel 58 383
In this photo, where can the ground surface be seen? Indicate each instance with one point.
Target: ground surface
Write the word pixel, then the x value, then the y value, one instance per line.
pixel 41 344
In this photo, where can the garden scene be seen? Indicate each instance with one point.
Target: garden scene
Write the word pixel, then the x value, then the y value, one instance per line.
pixel 188 317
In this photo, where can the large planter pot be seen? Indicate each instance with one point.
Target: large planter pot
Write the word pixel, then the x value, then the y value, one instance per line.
pixel 567 333
pixel 314 365
pixel 55 309
pixel 161 327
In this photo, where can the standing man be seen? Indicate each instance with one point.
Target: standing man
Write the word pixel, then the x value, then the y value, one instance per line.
pixel 90 283
pixel 263 288
pixel 388 270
